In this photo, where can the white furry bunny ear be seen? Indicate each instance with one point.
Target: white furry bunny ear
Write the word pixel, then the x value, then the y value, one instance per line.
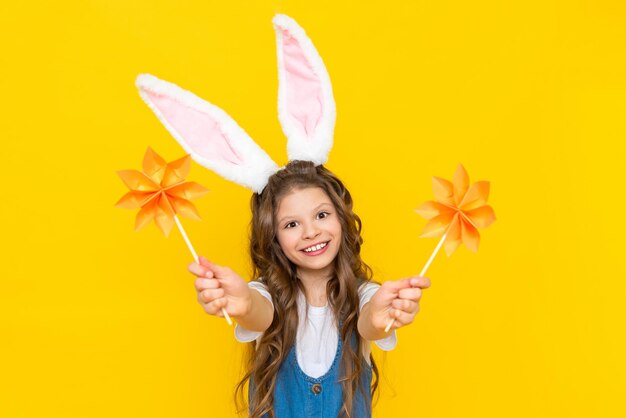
pixel 205 131
pixel 306 107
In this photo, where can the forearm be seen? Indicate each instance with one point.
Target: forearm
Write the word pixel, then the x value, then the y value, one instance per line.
pixel 259 315
pixel 367 329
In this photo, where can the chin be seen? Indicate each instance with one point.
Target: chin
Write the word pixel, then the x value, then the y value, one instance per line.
pixel 317 265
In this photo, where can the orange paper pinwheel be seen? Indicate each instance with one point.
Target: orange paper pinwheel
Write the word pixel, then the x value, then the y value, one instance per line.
pixel 455 215
pixel 160 191
pixel 458 211
pixel 162 194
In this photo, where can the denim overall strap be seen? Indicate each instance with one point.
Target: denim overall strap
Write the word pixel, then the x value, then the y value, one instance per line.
pixel 298 395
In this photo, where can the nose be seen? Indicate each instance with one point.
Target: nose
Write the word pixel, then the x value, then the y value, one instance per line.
pixel 310 231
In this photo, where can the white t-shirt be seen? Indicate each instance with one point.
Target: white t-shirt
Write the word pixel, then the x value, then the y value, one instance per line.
pixel 317 337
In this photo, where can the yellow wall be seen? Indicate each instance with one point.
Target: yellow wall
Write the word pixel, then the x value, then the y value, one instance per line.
pixel 99 321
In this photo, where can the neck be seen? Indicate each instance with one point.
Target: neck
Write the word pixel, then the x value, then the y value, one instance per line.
pixel 314 282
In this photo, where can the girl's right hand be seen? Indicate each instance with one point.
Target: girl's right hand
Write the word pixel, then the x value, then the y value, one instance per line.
pixel 219 287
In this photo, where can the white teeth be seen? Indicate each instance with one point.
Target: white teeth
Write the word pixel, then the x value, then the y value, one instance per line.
pixel 315 247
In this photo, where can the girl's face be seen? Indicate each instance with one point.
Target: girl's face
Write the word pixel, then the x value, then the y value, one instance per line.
pixel 308 230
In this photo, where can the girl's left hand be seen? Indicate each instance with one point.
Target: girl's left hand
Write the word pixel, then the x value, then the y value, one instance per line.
pixel 398 299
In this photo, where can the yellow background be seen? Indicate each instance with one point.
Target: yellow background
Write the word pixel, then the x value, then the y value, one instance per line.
pixel 99 321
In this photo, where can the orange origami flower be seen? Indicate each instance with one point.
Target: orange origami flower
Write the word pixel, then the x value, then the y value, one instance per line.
pixel 161 191
pixel 459 211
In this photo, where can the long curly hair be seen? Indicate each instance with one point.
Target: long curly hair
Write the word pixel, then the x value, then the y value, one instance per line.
pixel 272 267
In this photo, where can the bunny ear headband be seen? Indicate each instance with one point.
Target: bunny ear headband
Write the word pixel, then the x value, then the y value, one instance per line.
pixel 306 110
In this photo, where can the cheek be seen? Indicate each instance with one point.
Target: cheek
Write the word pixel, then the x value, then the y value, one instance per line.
pixel 287 246
pixel 285 240
pixel 337 230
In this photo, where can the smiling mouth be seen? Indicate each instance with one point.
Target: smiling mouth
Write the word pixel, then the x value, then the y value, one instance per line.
pixel 316 249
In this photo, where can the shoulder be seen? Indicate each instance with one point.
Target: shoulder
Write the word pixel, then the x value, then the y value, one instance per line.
pixel 366 291
pixel 261 287
pixel 366 285
pixel 257 284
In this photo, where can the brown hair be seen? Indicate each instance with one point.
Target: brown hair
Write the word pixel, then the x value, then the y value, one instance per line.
pixel 278 273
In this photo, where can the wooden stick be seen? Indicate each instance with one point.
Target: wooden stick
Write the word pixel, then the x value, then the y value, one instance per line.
pixel 430 260
pixel 195 257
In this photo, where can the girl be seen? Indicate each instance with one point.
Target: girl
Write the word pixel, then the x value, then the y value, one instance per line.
pixel 313 309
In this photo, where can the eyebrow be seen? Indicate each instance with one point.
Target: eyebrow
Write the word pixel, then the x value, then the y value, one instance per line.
pixel 314 210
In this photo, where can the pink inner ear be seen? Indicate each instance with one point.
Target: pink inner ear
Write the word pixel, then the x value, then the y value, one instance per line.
pixel 303 87
pixel 200 131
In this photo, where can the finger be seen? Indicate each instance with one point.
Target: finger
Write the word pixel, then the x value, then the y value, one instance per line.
pixel 405 305
pixel 200 271
pixel 403 318
pixel 209 267
pixel 395 285
pixel 421 282
pixel 196 269
pixel 219 271
pixel 412 293
pixel 210 295
pixel 203 261
pixel 202 284
pixel 215 307
pixel 396 324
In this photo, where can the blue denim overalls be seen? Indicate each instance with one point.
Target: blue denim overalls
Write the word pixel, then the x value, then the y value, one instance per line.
pixel 299 395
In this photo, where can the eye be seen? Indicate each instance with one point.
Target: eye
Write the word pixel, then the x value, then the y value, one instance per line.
pixel 291 224
pixel 323 215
